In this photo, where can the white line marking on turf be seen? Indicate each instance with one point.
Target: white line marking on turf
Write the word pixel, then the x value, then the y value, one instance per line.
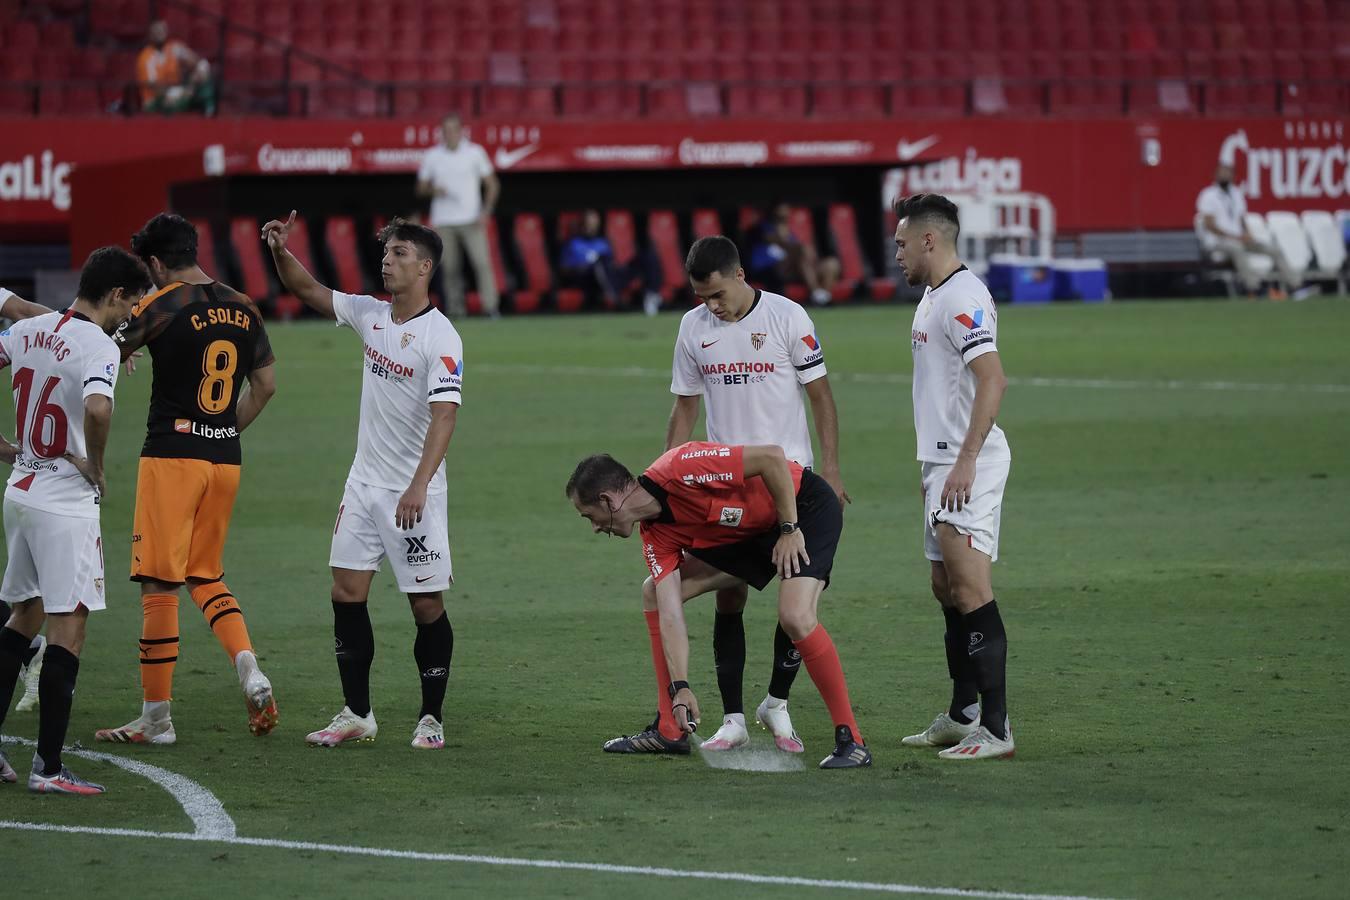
pixel 605 868
pixel 1110 384
pixel 209 819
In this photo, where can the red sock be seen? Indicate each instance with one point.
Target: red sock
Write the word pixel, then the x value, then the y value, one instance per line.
pixel 669 730
pixel 822 663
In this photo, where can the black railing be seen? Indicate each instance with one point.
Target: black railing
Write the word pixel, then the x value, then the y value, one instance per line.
pixel 353 95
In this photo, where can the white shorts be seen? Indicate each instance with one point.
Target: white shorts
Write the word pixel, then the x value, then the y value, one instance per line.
pixel 978 519
pixel 57 558
pixel 365 533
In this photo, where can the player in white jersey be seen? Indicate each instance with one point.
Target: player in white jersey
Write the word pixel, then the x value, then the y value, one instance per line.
pixel 394 503
pixel 64 367
pixel 13 308
pixel 964 457
pixel 749 354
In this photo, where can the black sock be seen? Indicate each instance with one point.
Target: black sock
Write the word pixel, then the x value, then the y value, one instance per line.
pixel 56 689
pixel 354 646
pixel 964 690
pixel 729 659
pixel 30 652
pixel 989 660
pixel 787 662
pixel 12 647
pixel 433 648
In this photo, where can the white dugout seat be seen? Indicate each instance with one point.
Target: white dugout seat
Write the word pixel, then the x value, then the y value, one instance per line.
pixel 1328 246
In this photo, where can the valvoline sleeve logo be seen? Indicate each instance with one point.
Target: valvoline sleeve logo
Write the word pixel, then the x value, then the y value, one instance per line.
pixel 810 341
pixel 454 366
pixel 972 321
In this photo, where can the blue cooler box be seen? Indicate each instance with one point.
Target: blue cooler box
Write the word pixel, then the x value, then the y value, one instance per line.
pixel 1080 279
pixel 1020 279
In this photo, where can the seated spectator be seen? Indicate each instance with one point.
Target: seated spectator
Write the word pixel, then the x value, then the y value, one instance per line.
pixel 778 259
pixel 1221 226
pixel 173 78
pixel 587 262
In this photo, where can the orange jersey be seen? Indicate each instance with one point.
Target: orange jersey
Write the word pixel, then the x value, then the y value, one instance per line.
pixel 159 66
pixel 706 501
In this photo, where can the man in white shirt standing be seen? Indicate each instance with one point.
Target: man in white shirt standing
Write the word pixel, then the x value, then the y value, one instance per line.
pixel 1222 228
pixel 394 503
pixel 64 371
pixel 458 177
pixel 964 457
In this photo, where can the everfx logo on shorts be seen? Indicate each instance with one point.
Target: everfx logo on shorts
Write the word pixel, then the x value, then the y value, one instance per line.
pixel 418 554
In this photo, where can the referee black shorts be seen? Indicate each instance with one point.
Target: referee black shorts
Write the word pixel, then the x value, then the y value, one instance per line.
pixel 821 520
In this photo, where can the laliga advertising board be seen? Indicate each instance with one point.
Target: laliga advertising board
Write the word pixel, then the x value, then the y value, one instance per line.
pixel 1099 174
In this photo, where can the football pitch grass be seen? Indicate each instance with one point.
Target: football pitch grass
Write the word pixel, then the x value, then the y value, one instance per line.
pixel 1174 577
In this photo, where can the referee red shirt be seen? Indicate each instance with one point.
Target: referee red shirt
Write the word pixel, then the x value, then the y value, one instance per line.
pixel 706 501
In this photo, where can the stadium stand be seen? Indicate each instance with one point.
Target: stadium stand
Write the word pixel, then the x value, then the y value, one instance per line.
pixel 693 58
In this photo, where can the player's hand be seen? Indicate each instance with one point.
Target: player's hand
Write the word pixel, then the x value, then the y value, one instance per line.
pixel 956 490
pixel 91 474
pixel 130 364
pixel 836 481
pixel 410 506
pixel 276 233
pixel 8 452
pixel 789 554
pixel 685 705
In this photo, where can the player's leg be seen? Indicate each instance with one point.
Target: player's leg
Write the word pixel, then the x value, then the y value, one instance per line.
pixel 24 621
pixel 217 603
pixel 969 542
pixel 70 568
pixel 24 584
pixel 476 247
pixel 452 279
pixel 663 735
pixel 963 712
pixel 797 600
pixel 729 662
pixel 433 649
pixel 355 558
pixel 420 559
pixel 167 494
pixel 50 775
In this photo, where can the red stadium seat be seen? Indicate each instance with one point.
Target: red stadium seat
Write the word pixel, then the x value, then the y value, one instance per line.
pixel 706 223
pixel 339 234
pixel 622 235
pixel 663 233
pixel 245 236
pixel 844 232
pixel 528 231
pixel 206 248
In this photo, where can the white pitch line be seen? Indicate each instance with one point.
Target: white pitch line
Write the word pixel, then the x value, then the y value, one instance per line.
pixel 1110 384
pixel 209 819
pixel 516 862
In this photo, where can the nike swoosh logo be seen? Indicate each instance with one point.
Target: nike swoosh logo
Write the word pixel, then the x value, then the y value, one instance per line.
pixel 378 327
pixel 707 344
pixel 505 159
pixel 424 578
pixel 907 151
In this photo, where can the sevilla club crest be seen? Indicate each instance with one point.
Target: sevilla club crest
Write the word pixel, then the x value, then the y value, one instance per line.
pixel 757 339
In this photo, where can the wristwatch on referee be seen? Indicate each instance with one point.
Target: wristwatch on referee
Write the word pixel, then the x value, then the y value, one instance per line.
pixel 788 527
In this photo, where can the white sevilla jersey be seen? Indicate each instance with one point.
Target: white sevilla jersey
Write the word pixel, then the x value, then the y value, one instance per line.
pixel 954 323
pixel 750 373
pixel 406 368
pixel 56 361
